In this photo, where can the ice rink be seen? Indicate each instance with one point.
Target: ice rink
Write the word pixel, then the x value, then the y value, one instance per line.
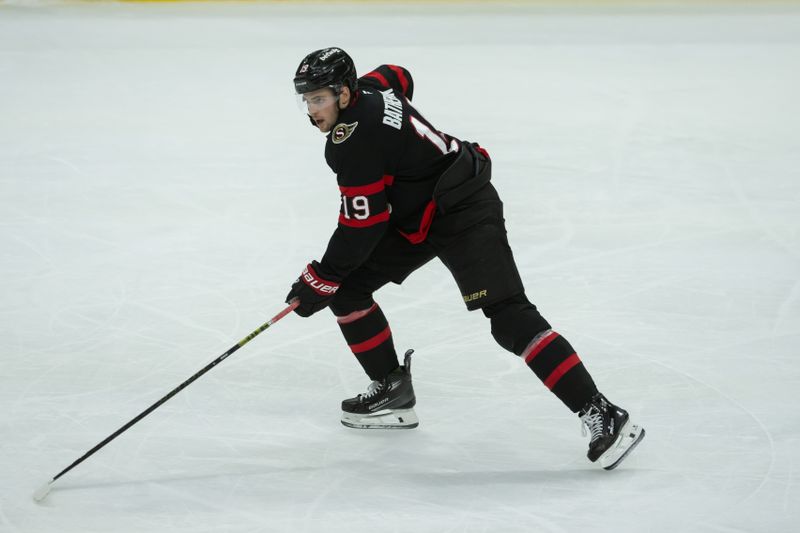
pixel 160 191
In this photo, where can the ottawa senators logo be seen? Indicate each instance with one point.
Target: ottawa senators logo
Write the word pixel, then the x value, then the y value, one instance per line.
pixel 341 132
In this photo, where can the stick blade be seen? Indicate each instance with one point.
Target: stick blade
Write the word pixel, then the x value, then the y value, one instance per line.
pixel 42 492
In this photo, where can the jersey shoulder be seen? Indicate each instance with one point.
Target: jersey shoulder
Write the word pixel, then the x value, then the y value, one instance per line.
pixel 368 107
pixel 389 77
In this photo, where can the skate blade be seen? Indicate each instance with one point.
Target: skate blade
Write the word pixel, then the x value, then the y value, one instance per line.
pixel 630 436
pixel 386 419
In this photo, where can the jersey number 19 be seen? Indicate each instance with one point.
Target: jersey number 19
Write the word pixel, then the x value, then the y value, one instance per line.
pixel 360 206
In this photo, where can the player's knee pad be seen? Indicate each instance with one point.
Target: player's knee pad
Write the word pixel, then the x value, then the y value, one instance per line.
pixel 515 321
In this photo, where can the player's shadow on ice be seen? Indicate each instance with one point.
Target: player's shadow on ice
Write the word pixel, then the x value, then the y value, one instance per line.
pixel 511 477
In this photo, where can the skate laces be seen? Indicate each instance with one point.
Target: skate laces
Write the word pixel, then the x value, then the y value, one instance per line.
pixel 374 388
pixel 593 421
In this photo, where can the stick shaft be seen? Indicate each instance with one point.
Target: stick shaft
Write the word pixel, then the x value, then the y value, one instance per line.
pixel 179 388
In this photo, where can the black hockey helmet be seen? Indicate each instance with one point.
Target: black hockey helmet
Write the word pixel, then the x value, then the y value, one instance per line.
pixel 329 67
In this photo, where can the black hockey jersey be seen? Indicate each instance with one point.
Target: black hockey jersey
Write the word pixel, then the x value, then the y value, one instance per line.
pixel 388 160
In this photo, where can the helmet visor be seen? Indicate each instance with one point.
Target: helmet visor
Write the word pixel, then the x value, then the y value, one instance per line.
pixel 314 101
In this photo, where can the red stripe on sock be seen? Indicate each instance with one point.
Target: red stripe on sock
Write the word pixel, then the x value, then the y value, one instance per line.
pixel 356 315
pixel 560 370
pixel 374 342
pixel 536 348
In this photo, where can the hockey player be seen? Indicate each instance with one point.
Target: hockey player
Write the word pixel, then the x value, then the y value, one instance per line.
pixel 410 193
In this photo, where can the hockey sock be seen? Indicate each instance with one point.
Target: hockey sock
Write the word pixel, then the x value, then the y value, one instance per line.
pixel 370 338
pixel 554 361
pixel 519 328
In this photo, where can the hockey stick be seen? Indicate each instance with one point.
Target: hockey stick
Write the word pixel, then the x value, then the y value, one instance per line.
pixel 42 492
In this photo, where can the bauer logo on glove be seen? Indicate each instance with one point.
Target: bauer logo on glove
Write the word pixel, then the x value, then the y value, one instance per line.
pixel 318 284
pixel 313 290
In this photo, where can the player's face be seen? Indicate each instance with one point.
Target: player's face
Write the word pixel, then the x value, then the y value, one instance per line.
pixel 322 106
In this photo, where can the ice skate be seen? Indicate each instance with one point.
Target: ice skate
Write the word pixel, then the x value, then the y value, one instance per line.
pixel 613 435
pixel 387 404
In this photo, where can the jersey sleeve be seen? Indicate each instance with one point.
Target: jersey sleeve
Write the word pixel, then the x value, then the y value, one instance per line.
pixel 390 76
pixel 364 211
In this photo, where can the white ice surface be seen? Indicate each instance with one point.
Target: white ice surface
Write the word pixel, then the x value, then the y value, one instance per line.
pixel 159 191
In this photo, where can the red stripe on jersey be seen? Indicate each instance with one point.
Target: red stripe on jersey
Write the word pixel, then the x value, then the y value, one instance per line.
pixel 374 342
pixel 560 370
pixel 537 346
pixel 400 76
pixel 424 225
pixel 365 223
pixel 363 190
pixel 388 179
pixel 378 76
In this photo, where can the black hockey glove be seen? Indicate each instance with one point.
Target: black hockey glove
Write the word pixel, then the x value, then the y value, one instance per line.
pixel 314 292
